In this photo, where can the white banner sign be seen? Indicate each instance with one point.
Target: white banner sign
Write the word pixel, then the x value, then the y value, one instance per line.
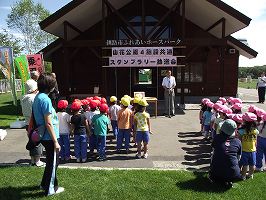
pixel 142 51
pixel 145 61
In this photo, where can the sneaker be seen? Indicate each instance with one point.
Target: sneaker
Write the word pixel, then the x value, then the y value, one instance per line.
pixel 40 164
pixel 84 160
pixel 101 158
pixel 59 190
pixel 250 176
pixel 138 156
pixel 78 160
pixel 145 156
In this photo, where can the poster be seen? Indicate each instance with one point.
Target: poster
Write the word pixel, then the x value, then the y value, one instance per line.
pixel 21 63
pixel 35 62
pixel 7 68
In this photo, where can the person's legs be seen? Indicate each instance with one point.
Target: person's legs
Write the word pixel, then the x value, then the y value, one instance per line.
pixel 36 155
pixel 166 102
pixel 263 95
pixel 77 146
pixel 66 141
pixel 119 139
pixel 172 103
pixel 259 153
pixel 138 140
pixel 252 162
pixel 127 138
pixel 102 145
pixel 260 93
pixel 115 128
pixel 92 142
pixel 49 180
pixel 62 150
pixel 84 146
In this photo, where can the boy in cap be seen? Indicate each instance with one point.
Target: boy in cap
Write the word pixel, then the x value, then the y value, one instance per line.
pixel 113 111
pixel 124 120
pixel 142 127
pixel 100 124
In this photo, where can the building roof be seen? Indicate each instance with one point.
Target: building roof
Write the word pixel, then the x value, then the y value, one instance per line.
pixel 83 14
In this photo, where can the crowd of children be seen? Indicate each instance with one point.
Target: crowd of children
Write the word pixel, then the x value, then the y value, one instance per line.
pixel 88 120
pixel 251 130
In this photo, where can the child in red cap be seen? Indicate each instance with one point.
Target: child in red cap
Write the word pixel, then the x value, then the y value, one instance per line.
pixel 64 129
pixel 93 111
pixel 100 124
pixel 80 128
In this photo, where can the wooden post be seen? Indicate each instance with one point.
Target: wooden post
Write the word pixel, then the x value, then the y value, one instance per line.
pixel 104 75
pixel 143 19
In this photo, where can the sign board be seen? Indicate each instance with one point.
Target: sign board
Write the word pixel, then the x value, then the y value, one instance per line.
pixel 35 62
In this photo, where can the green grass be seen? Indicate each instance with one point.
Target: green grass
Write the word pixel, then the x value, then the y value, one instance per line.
pixel 22 183
pixel 8 112
pixel 251 85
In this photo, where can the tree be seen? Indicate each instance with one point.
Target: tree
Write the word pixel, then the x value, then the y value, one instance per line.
pixel 7 39
pixel 24 18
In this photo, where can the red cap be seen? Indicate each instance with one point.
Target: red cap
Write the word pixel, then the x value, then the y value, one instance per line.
pixel 62 104
pixel 97 98
pixel 103 108
pixel 76 100
pixel 93 104
pixel 103 100
pixel 76 105
pixel 85 102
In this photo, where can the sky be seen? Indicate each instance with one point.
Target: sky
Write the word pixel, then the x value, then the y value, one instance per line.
pixel 255 33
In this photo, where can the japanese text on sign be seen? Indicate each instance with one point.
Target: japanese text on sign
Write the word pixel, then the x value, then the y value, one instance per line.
pixel 142 51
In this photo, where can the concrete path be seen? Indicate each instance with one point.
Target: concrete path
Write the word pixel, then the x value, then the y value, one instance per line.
pixel 175 144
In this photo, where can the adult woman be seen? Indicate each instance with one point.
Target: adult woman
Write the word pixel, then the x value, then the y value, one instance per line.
pixel 261 85
pixel 45 114
pixel 227 150
pixel 26 105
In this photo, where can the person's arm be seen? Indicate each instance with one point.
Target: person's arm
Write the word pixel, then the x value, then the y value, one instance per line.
pixel 149 125
pixel 87 127
pixel 163 83
pixel 50 128
pixel 174 83
pixel 135 126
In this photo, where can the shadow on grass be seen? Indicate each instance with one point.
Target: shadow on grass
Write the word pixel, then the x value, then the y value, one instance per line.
pixel 22 192
pixel 201 184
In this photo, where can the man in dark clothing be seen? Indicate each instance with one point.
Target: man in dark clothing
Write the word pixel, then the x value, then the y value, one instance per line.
pixel 227 151
pixel 54 95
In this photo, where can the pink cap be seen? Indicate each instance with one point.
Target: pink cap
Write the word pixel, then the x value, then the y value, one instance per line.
pixel 238 118
pixel 237 106
pixel 252 108
pixel 229 111
pixel 264 117
pixel 209 104
pixel 220 102
pixel 205 100
pixel 230 116
pixel 222 99
pixel 260 112
pixel 216 106
pixel 229 100
pixel 249 117
pixel 223 109
pixel 236 100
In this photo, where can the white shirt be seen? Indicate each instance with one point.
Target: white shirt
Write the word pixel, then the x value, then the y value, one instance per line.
pixel 113 111
pixel 169 82
pixel 64 120
pixel 262 81
pixel 26 105
pixel 89 115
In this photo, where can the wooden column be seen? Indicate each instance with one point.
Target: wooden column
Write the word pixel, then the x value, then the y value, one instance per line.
pixel 143 19
pixel 104 75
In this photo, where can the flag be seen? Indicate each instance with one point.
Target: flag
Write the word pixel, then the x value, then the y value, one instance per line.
pixel 22 65
pixel 7 68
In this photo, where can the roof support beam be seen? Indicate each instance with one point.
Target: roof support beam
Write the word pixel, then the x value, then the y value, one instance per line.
pixel 84 43
pixel 68 24
pixel 222 20
pixel 95 52
pixel 103 21
pixel 143 32
pixel 183 19
pixel 109 5
pixel 163 18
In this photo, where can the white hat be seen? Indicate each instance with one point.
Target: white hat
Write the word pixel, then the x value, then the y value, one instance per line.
pixel 31 86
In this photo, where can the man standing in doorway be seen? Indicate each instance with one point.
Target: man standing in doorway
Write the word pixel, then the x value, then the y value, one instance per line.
pixel 169 94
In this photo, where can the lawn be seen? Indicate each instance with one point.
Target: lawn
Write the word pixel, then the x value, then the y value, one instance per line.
pixel 22 183
pixel 251 85
pixel 8 112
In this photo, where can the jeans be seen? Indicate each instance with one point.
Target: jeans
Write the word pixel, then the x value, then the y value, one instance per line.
pixel 114 127
pixel 64 142
pixel 92 142
pixel 261 151
pixel 123 134
pixel 80 143
pixel 101 145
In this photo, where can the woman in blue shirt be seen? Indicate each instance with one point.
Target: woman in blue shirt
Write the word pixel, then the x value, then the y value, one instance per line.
pixel 45 114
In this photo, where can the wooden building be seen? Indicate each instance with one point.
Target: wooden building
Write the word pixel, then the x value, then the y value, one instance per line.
pixel 88 30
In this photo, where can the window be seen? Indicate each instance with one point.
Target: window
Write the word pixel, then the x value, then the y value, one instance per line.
pixel 144 76
pixel 196 72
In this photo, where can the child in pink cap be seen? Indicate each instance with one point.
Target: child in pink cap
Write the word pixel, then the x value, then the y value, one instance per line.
pixel 248 135
pixel 236 108
pixel 215 115
pixel 203 106
pixel 206 119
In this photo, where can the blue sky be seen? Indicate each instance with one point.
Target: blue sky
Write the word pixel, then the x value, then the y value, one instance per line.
pixel 255 33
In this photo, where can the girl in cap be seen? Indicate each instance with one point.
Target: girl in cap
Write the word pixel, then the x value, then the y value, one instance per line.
pixel 80 128
pixel 215 115
pixel 113 110
pixel 248 134
pixel 261 144
pixel 206 118
pixel 224 166
pixel 142 128
pixel 203 106
pixel 64 129
pixel 222 116
pixel 124 120
pixel 100 124
pixel 236 108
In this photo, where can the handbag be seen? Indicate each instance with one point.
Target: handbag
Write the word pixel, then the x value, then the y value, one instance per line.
pixel 35 133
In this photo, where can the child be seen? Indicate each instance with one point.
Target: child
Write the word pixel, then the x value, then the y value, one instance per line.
pixel 261 144
pixel 142 128
pixel 124 120
pixel 206 118
pixel 80 128
pixel 100 123
pixel 64 130
pixel 114 108
pixel 236 108
pixel 89 115
pixel 248 134
pixel 202 110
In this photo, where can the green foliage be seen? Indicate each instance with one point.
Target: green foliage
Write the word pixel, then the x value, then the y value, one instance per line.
pixel 251 85
pixel 48 66
pixel 254 72
pixel 7 39
pixel 24 18
pixel 23 183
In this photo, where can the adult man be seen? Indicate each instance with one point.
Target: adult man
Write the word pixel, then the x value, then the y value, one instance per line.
pixel 169 94
pixel 261 85
pixel 54 95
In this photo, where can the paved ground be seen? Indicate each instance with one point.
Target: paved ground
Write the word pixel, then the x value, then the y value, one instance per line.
pixel 175 143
